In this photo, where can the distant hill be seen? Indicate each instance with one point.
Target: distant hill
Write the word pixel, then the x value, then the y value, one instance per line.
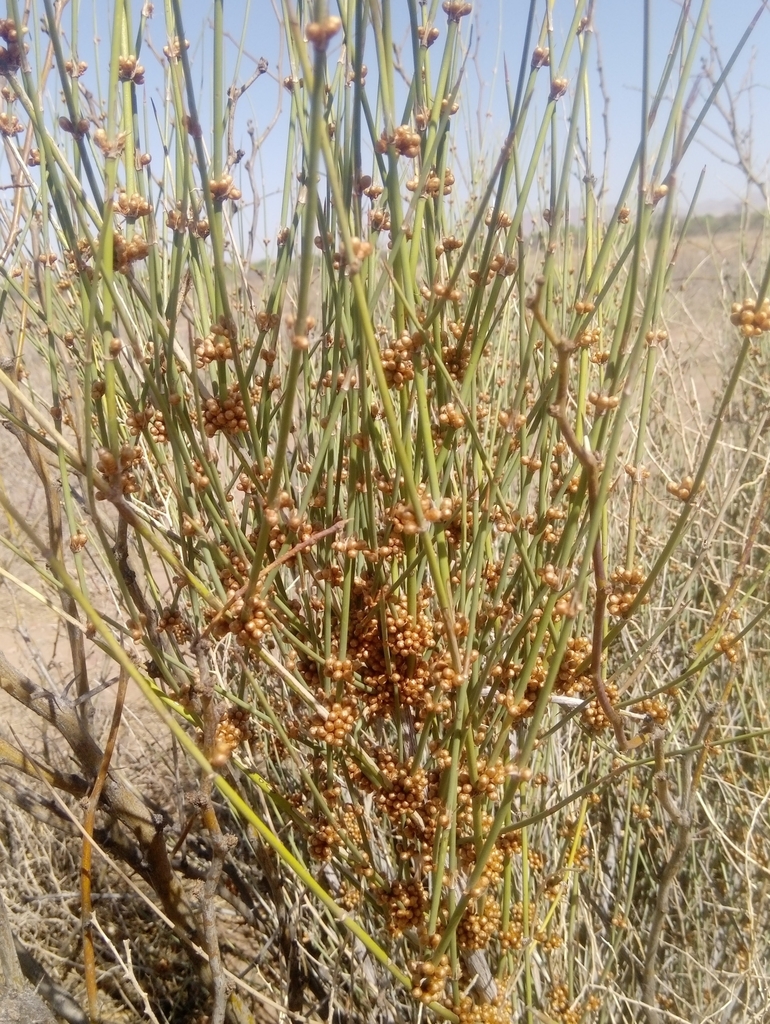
pixel 726 221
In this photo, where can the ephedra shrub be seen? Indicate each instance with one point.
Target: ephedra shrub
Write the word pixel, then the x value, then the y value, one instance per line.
pixel 440 621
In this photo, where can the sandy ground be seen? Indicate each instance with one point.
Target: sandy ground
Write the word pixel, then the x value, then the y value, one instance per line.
pixel 704 281
pixel 32 636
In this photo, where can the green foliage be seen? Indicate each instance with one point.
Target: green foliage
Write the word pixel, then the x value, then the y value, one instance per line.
pixel 400 543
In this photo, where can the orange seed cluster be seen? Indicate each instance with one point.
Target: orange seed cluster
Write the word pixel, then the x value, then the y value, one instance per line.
pixel 752 321
pixel 10 125
pixel 593 717
pixel 339 721
pixel 224 188
pixel 728 646
pixel 150 419
pixel 217 345
pixel 133 206
pixel 227 416
pixel 127 251
pixel 320 33
pixel 406 904
pixel 11 54
pixel 404 140
pixel 683 489
pixel 429 979
pixel 456 9
pixel 233 729
pixel 119 471
pixel 625 584
pixel 397 360
pixel 130 70
pixel 479 925
pixel 172 621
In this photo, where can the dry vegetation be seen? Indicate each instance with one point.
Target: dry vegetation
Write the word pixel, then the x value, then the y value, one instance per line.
pixel 384 640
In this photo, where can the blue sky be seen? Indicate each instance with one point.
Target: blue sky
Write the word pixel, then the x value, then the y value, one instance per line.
pixel 495 31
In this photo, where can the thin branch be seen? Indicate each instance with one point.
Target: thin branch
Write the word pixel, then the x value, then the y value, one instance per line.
pixel 234 93
pixel 220 843
pixel 682 816
pixel 89 958
pixel 565 348
pixel 53 510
